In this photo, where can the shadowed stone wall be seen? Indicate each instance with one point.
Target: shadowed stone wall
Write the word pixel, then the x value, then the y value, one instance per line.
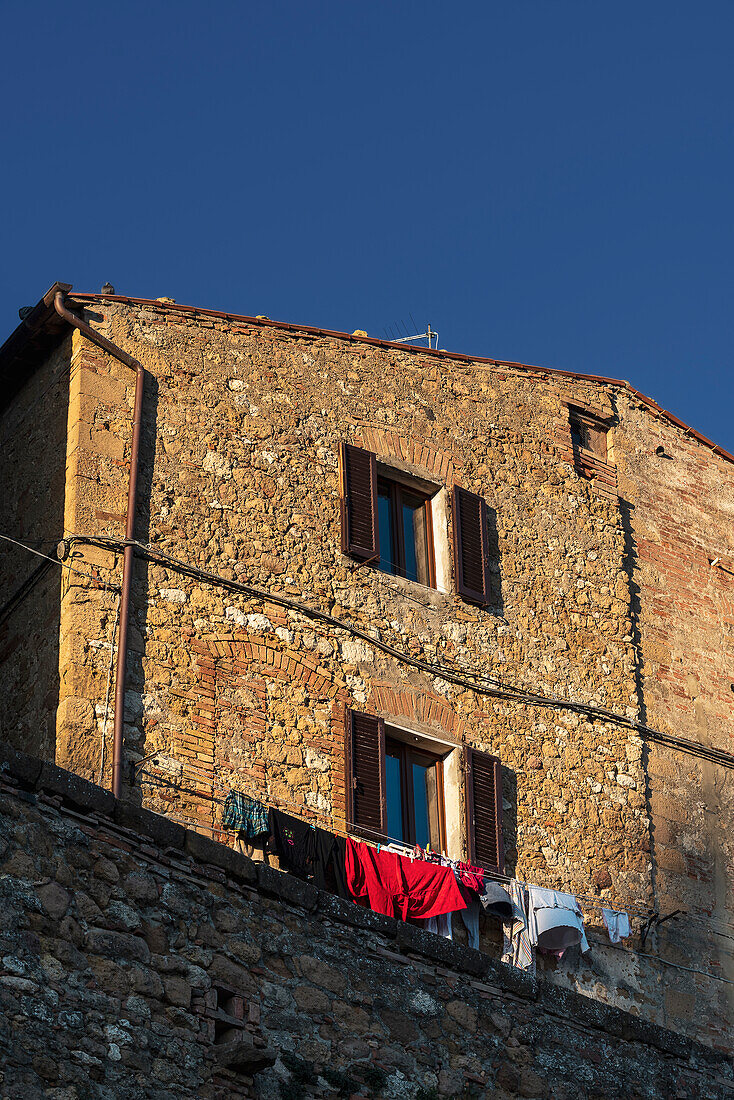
pixel 143 960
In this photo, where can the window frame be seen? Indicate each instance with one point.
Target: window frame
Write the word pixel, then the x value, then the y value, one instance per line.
pixel 396 485
pixel 407 754
pixel 586 462
pixel 482 793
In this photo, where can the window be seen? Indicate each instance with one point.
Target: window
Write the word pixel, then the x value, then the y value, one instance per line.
pixel 414 794
pixel 589 444
pixel 387 521
pixel 405 527
pixel 588 435
pixel 396 788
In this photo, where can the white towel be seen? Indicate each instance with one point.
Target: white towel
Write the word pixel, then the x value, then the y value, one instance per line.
pixel 618 924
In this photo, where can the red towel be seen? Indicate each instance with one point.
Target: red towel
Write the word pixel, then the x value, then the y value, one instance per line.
pixel 399 887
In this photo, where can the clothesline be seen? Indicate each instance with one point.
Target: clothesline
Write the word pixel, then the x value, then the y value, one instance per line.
pixel 600 903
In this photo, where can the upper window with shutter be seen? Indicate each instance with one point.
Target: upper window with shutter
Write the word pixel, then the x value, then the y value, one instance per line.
pixel 386 517
pixel 471 546
pixel 358 473
pixel 483 784
pixel 388 521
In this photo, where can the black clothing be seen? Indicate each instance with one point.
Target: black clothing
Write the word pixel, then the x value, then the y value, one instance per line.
pixel 328 865
pixel 293 841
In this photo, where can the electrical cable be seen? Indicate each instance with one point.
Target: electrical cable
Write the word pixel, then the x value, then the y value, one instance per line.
pixel 62 564
pixel 665 962
pixel 494 691
pixel 489 687
pixel 24 590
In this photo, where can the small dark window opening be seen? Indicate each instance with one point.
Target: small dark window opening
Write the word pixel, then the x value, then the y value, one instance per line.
pixel 225 1010
pixel 587 435
pixel 414 794
pixel 405 527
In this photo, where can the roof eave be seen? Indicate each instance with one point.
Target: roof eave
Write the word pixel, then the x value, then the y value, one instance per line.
pixel 30 343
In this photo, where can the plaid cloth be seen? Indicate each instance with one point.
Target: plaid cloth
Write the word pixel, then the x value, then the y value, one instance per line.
pixel 245 815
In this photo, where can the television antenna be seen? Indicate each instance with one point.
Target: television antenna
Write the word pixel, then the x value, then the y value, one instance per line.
pixel 393 333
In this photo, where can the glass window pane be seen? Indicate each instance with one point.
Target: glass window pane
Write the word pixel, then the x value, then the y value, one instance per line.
pixel 384 519
pixel 434 812
pixel 394 798
pixel 420 801
pixel 415 538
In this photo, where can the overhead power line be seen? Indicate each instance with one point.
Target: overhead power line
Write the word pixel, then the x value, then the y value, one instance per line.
pixel 482 685
pixel 60 564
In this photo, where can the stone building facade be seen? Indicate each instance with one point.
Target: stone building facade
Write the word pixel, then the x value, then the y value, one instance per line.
pixel 366 560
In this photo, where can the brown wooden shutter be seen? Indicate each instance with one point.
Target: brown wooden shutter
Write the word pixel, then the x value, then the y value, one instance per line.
pixel 365 759
pixel 484 810
pixel 471 545
pixel 358 476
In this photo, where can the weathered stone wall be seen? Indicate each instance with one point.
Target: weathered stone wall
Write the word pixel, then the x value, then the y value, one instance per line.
pixel 242 425
pixel 124 935
pixel 33 448
pixel 678 502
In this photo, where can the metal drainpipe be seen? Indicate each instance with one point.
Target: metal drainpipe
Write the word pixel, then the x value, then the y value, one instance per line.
pixel 128 556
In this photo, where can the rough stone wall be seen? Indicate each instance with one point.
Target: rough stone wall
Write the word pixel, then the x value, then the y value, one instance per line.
pixel 33 447
pixel 141 959
pixel 678 500
pixel 241 430
pixel 98 458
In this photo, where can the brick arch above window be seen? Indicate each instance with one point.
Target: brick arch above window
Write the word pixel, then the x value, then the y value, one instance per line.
pixel 425 708
pixel 417 452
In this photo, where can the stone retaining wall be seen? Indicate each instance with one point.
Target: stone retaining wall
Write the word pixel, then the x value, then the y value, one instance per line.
pixel 142 960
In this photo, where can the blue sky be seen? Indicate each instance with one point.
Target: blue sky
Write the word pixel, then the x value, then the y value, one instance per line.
pixel 545 180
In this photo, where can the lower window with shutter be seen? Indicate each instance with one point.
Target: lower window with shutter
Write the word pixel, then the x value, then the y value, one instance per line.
pixel 484 810
pixel 365 757
pixel 395 784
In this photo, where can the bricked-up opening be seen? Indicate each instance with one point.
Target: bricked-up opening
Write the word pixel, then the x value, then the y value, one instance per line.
pixel 589 442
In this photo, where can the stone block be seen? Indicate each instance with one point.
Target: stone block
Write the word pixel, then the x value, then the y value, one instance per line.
pixel 54 899
pixel 76 791
pixel 25 769
pixel 165 833
pixel 417 940
pixel 241 1056
pixel 347 912
pixel 287 887
pixel 206 850
pixel 116 945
